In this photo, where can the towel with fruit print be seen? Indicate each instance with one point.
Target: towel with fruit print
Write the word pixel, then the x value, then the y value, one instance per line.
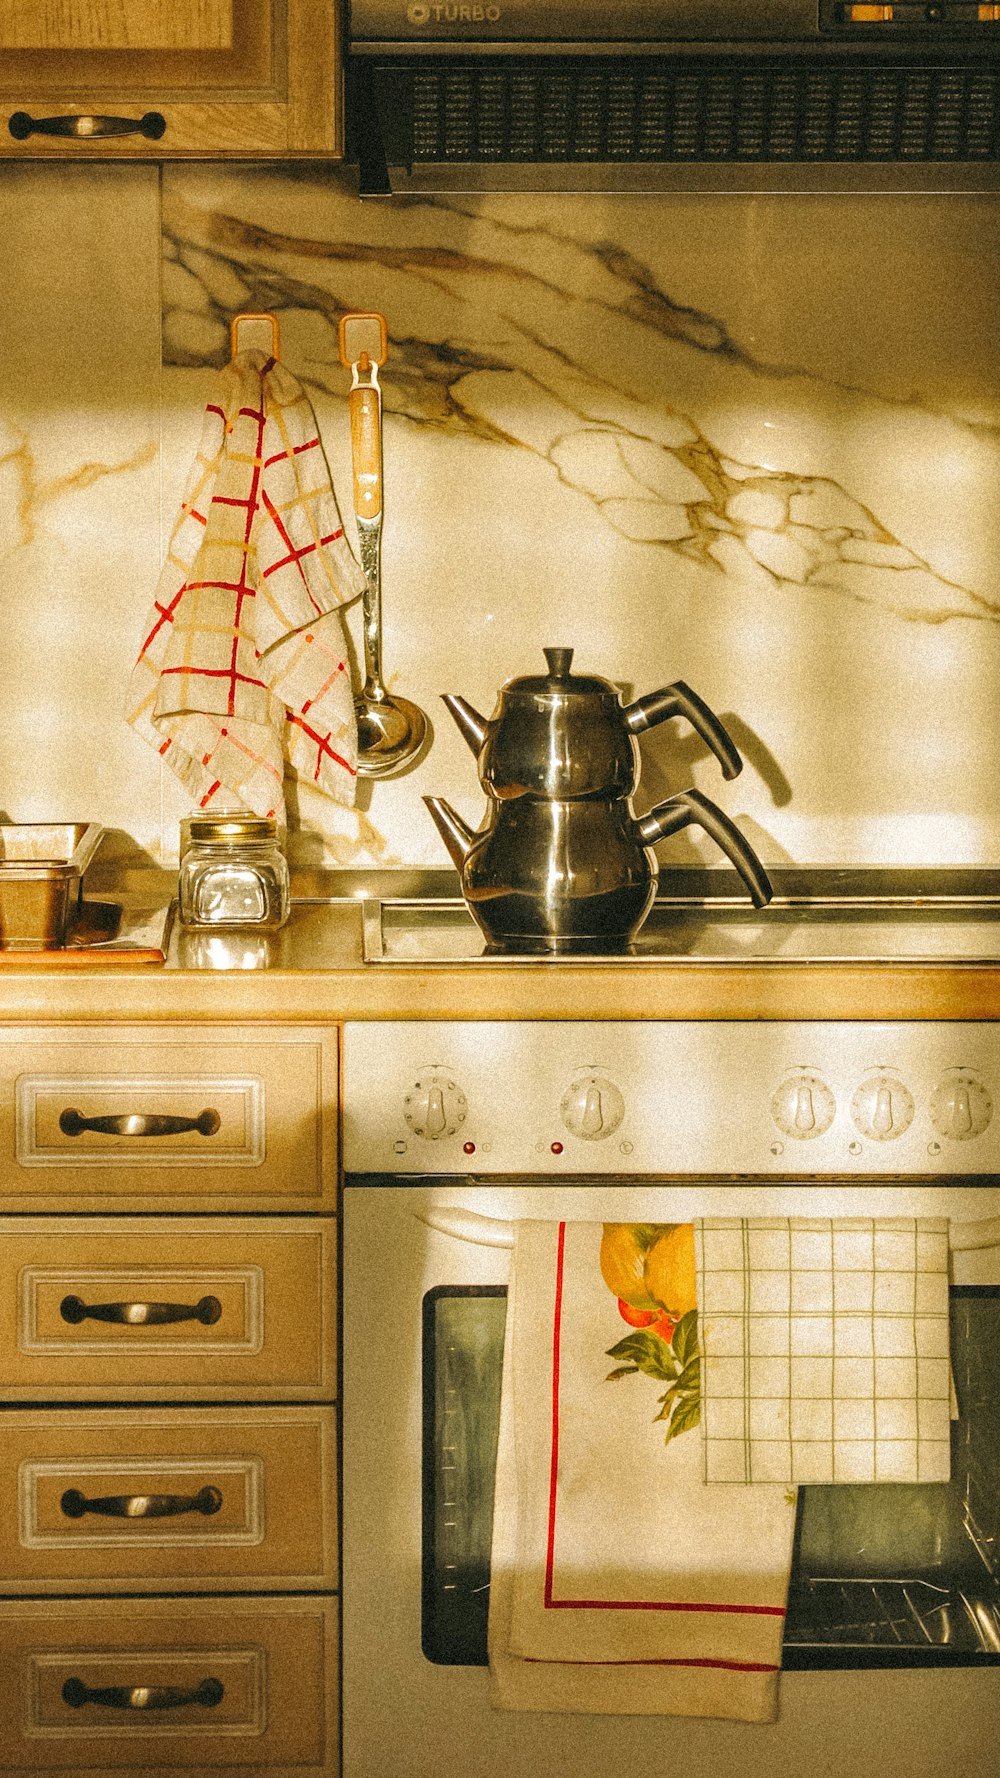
pixel 620 1582
pixel 650 1268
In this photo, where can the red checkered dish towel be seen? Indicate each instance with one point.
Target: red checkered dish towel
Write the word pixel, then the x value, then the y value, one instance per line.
pixel 243 675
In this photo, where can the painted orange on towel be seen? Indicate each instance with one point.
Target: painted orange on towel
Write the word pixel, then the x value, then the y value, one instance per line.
pixel 649 1267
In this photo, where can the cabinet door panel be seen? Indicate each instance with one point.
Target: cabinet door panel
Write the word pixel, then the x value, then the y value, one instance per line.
pixel 261 1676
pixel 116 24
pixel 207 46
pixel 168 1500
pixel 241 77
pixel 145 1118
pixel 185 1308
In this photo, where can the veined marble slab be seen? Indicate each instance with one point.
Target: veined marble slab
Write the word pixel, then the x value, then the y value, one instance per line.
pixel 751 442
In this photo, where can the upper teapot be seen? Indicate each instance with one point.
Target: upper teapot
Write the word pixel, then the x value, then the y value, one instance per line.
pixel 567 736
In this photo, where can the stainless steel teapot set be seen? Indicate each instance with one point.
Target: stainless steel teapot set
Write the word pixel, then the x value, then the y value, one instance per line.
pixel 560 864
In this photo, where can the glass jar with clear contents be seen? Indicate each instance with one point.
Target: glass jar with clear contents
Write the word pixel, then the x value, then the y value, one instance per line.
pixel 232 873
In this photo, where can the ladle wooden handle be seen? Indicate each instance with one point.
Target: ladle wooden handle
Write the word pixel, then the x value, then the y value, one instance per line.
pixel 390 729
pixel 365 409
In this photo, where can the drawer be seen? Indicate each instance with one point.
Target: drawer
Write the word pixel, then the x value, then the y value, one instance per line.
pixel 177 1500
pixel 154 1117
pixel 93 1686
pixel 176 1308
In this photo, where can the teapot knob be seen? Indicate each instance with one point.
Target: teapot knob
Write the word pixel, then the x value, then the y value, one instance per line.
pixel 559 661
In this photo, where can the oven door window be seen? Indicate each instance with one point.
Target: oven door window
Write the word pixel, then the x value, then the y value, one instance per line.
pixel 896 1575
pixel 462 1365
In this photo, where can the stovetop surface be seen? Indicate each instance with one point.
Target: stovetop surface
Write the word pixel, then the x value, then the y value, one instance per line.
pixel 817 914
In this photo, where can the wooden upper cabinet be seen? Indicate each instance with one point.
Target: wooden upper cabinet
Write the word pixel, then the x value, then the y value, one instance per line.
pixel 194 77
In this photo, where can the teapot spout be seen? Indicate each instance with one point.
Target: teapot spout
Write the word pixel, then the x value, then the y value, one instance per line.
pixel 457 836
pixel 474 727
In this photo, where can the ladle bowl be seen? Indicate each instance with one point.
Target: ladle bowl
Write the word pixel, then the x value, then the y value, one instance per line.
pixel 391 732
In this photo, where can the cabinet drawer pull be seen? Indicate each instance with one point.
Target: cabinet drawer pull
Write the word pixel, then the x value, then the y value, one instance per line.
pixel 141 1506
pixel 139 1123
pixel 207 1310
pixel 143 1697
pixel 152 124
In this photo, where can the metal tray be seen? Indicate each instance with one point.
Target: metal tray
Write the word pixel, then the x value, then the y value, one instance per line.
pixel 41 877
pixel 818 913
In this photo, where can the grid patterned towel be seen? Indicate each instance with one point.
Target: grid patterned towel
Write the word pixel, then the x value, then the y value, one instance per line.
pixel 243 672
pixel 825 1346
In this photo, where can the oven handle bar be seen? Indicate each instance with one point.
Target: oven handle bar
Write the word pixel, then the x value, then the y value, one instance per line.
pixel 494 1231
pixel 467 1225
pixel 965 1237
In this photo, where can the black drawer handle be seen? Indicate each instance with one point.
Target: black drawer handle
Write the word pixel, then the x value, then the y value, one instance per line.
pixel 22 125
pixel 141 1506
pixel 207 1310
pixel 139 1123
pixel 143 1697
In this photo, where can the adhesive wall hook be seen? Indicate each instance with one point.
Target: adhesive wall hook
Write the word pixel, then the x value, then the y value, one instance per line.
pixel 255 331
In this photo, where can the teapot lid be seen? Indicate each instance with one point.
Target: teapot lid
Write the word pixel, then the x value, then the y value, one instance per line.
pixel 559 679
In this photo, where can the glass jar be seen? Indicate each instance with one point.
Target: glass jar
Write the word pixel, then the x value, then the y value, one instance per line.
pixel 232 872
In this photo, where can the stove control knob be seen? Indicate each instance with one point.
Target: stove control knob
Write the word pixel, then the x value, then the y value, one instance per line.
pixel 961 1106
pixel 882 1107
pixel 434 1107
pixel 803 1106
pixel 591 1107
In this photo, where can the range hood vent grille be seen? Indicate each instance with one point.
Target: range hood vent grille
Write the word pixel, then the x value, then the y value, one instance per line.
pixel 657 110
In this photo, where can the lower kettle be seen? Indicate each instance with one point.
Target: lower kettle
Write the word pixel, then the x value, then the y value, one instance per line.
pixel 576 878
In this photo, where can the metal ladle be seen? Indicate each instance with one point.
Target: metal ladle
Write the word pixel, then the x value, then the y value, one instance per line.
pixel 391 729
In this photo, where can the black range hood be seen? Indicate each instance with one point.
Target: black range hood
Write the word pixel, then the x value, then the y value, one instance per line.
pixel 674 95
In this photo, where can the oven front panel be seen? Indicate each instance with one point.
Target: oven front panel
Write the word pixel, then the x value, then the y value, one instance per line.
pixel 407 1712
pixel 680 1097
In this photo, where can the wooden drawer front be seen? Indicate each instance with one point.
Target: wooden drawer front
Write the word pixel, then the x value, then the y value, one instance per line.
pixel 129 1308
pixel 168 1500
pixel 263 1675
pixel 153 1118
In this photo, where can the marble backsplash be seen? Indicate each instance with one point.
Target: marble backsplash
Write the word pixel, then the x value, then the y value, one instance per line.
pixel 752 442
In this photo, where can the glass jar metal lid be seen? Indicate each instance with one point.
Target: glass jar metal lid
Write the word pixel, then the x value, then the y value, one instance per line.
pixel 216 830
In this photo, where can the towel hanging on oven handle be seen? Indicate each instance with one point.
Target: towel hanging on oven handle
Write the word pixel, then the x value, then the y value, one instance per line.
pixel 496 1231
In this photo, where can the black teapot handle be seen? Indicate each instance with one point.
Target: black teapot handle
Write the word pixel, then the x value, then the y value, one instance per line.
pixel 690 806
pixel 680 700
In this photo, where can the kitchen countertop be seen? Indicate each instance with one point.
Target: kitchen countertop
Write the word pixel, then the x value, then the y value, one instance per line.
pixel 787 963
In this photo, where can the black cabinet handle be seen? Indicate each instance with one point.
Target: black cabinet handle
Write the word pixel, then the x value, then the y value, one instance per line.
pixel 143 1697
pixel 141 1506
pixel 207 1310
pixel 83 128
pixel 139 1123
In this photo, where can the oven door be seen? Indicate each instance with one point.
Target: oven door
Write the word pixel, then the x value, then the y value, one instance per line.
pixel 892 1633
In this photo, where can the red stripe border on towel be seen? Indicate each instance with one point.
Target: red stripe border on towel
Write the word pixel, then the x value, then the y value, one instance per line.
pixel 550 1600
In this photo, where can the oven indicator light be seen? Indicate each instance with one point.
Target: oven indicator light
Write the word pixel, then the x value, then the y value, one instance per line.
pixel 468 1148
pixel 556 1147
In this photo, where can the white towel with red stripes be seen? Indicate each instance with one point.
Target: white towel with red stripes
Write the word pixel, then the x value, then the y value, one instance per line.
pixel 620 1582
pixel 243 676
